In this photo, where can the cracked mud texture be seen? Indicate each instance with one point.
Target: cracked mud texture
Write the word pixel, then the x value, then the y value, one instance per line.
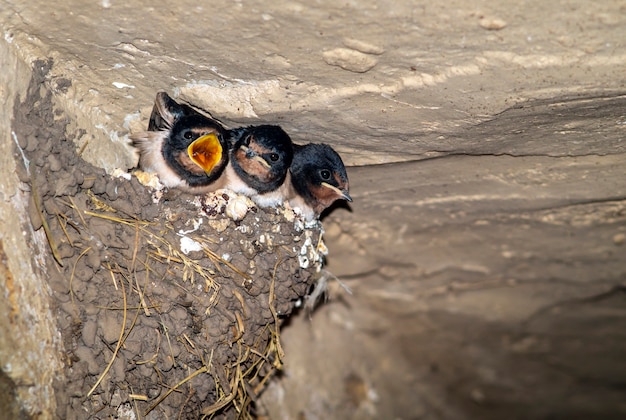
pixel 211 313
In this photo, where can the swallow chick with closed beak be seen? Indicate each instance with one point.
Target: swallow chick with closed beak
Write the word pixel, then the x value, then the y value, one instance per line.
pixel 259 163
pixel 318 179
pixel 183 147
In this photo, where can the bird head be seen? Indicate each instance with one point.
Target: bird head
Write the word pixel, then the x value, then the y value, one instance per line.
pixel 261 156
pixel 319 176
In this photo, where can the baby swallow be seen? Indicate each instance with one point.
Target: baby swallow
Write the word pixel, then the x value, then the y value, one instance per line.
pixel 259 162
pixel 186 149
pixel 253 161
pixel 318 179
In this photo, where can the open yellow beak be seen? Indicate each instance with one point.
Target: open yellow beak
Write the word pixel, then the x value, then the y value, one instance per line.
pixel 206 152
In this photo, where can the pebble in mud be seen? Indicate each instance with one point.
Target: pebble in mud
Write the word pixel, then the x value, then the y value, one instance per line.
pixel 363 46
pixel 32 142
pixel 93 259
pixel 110 326
pixel 89 333
pixel 52 207
pixel 349 59
pixel 99 185
pixel 111 191
pixel 86 355
pixel 35 216
pixel 54 163
pixel 492 23
pixel 64 184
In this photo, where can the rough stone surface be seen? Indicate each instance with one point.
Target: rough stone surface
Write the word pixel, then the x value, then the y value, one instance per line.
pixel 29 340
pixel 441 71
pixel 484 248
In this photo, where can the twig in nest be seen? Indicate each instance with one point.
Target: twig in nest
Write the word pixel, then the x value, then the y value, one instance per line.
pixel 100 205
pixel 122 337
pixel 119 344
pixel 257 389
pixel 136 397
pixel 66 220
pixel 167 337
pixel 136 248
pixel 44 222
pixel 115 308
pixel 74 270
pixel 258 364
pixel 214 257
pixel 210 363
pixel 116 219
pixel 234 382
pixel 238 328
pixel 156 353
pixel 112 276
pixel 243 389
pixel 240 299
pixel 142 304
pixel 190 266
pixel 164 396
pixel 186 337
pixel 77 210
pixel 83 147
pixel 182 407
pixel 279 350
pixel 141 293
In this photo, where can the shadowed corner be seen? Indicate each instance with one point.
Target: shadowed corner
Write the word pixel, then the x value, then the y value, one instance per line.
pixel 8 398
pixel 339 204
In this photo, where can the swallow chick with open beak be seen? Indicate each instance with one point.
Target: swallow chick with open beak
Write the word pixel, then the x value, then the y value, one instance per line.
pixel 318 179
pixel 185 148
pixel 260 157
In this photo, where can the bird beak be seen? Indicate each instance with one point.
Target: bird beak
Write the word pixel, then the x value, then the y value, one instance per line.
pixel 262 161
pixel 343 194
pixel 250 153
pixel 206 151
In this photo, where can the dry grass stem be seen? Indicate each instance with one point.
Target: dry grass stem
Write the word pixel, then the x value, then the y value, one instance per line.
pixel 119 344
pixel 44 221
pixel 175 387
pixel 74 271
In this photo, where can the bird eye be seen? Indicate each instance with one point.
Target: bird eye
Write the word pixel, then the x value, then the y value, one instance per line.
pixel 274 157
pixel 325 174
pixel 188 134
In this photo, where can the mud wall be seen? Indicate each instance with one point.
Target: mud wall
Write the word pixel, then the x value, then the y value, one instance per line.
pixel 29 342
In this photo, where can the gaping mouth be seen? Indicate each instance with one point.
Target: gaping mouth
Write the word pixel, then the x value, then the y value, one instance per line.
pixel 342 194
pixel 206 152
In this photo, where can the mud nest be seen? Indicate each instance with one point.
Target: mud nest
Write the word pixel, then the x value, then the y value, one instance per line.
pixel 167 306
